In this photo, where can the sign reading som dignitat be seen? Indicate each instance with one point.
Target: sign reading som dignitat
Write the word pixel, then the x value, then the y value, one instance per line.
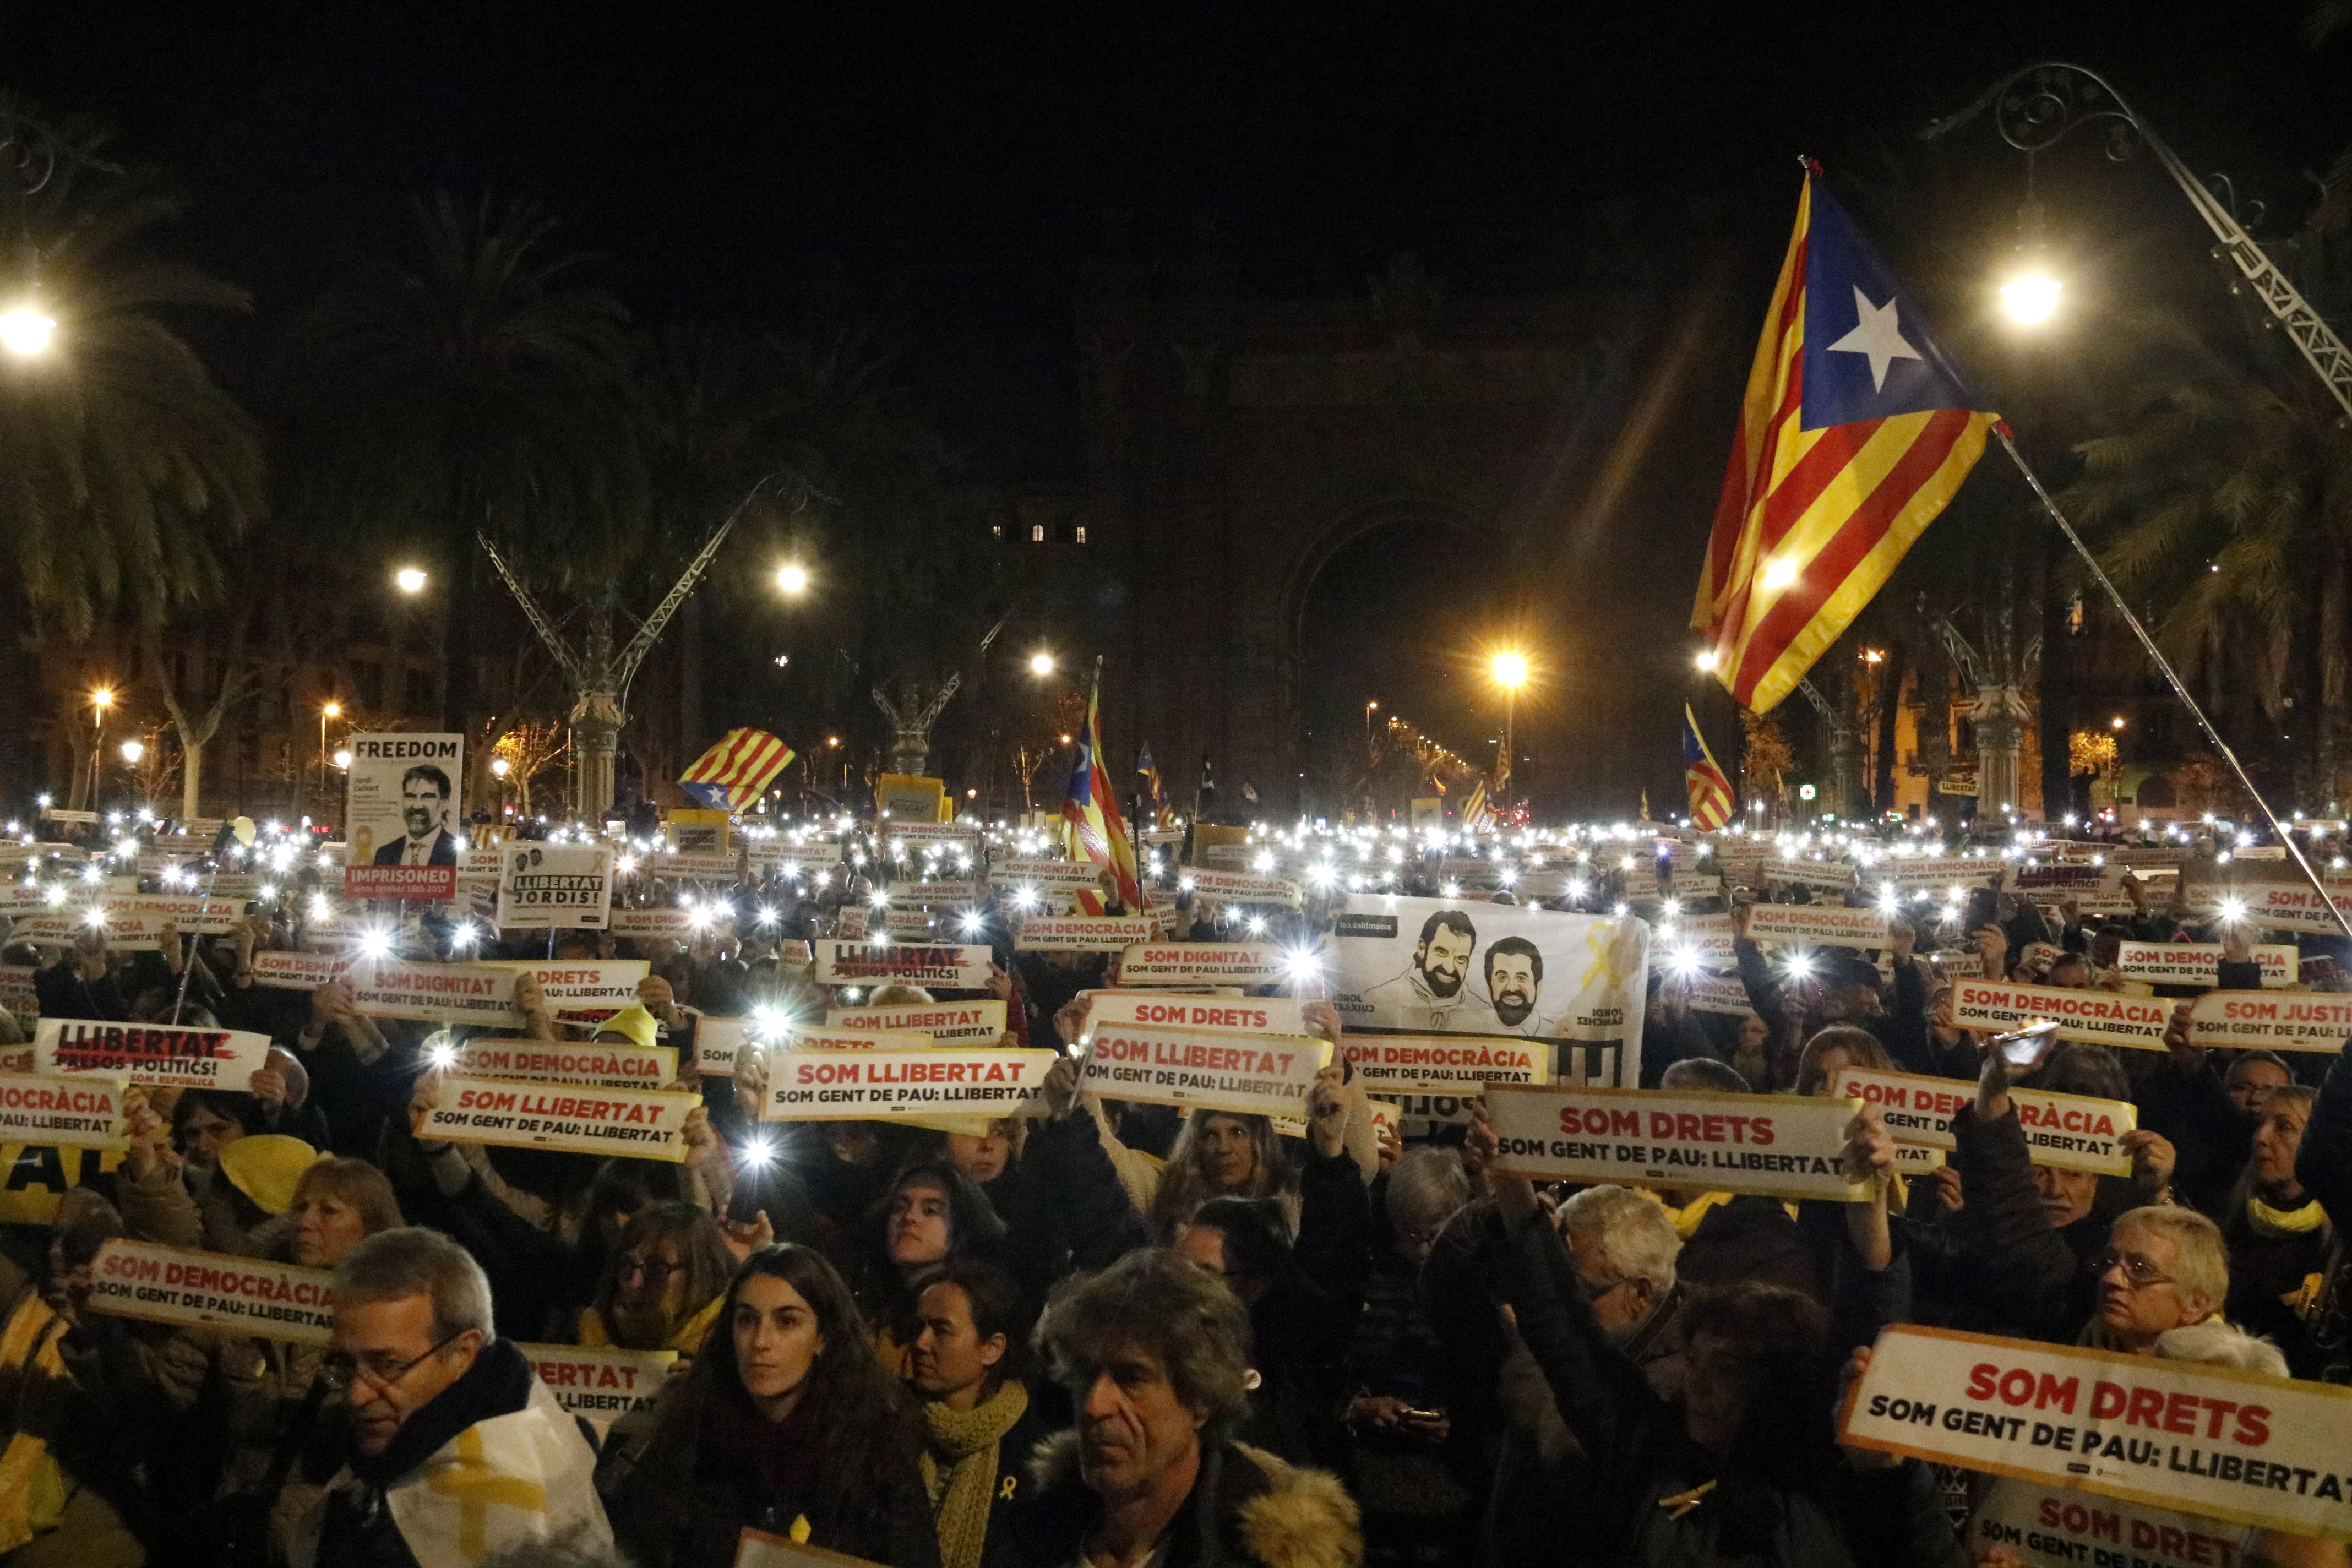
pixel 400 818
pixel 643 1124
pixel 831 1085
pixel 1265 1075
pixel 1770 1144
pixel 2174 1433
pixel 213 1291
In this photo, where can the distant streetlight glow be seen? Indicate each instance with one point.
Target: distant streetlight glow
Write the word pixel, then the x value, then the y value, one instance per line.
pixel 1510 670
pixel 410 579
pixel 1705 660
pixel 1041 664
pixel 342 759
pixel 791 579
pixel 500 767
pixel 103 698
pixel 25 332
pixel 132 751
pixel 2031 298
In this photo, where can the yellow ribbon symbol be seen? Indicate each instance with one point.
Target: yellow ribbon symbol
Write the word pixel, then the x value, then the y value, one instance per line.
pixel 476 1485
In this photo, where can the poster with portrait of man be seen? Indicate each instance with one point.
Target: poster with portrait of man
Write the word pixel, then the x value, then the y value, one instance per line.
pixel 1448 966
pixel 400 818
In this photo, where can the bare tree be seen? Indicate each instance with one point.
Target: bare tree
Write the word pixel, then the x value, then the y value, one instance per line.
pixel 195 728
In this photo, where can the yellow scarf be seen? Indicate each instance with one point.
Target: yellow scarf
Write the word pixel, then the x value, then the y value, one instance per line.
pixel 1688 1218
pixel 960 1468
pixel 2268 1221
pixel 687 1341
pixel 32 1488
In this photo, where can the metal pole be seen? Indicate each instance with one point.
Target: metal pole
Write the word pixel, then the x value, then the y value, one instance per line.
pixel 2164 666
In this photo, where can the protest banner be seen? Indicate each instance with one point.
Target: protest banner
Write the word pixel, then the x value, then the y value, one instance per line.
pixel 2069 1131
pixel 816 1086
pixel 1772 1143
pixel 2045 1526
pixel 1081 934
pixel 777 856
pixel 22 898
pixel 1251 1014
pixel 659 920
pixel 268 1301
pixel 588 1063
pixel 640 1124
pixel 1419 1112
pixel 690 865
pixel 1829 876
pixel 1817 925
pixel 1215 962
pixel 957 966
pixel 1072 875
pixel 2257 1020
pixel 193 915
pixel 2199 962
pixel 2056 884
pixel 947 1022
pixel 286 970
pixel 2226 1444
pixel 1713 993
pixel 582 991
pixel 1930 873
pixel 1245 887
pixel 2101 1017
pixel 1445 1064
pixel 601 1385
pixel 79 1112
pixel 479 867
pixel 2270 901
pixel 544 886
pixel 937 895
pixel 17 997
pixel 436 993
pixel 902 835
pixel 1268 1075
pixel 1703 939
pixel 719 1045
pixel 823 1038
pixel 124 933
pixel 400 817
pixel 169 1054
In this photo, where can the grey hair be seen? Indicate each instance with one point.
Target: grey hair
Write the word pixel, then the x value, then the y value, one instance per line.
pixel 2200 1258
pixel 1703 1075
pixel 1154 1301
pixel 1635 1235
pixel 2221 1344
pixel 1426 1187
pixel 410 1260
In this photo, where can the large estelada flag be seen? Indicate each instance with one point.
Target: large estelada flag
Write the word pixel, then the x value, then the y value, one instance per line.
pixel 1855 433
pixel 1710 793
pixel 731 776
pixel 1091 824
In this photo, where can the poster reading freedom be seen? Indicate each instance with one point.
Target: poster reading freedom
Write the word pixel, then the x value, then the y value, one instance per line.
pixel 957 966
pixel 213 1291
pixel 151 1053
pixel 400 818
pixel 1773 1143
pixel 542 887
pixel 1438 966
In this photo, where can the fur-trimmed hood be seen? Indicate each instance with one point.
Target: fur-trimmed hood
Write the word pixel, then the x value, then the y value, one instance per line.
pixel 1282 1515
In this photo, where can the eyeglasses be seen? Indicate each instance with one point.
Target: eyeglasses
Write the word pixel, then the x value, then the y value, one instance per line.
pixel 2138 1272
pixel 656 1270
pixel 337 1372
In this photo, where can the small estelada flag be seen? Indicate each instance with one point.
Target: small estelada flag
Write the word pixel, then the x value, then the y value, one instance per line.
pixel 1710 793
pixel 731 776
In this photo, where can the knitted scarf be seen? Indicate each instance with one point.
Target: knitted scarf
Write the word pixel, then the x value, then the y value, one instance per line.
pixel 2268 1221
pixel 959 1466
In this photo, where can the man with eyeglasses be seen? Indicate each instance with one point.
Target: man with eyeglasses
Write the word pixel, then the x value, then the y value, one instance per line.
pixel 456 1449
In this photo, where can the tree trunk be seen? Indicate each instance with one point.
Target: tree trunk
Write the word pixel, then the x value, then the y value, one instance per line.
pixel 196 733
pixel 2057 717
pixel 1890 709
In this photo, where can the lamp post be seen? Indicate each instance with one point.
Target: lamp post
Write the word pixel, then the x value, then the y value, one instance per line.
pixel 329 709
pixel 101 700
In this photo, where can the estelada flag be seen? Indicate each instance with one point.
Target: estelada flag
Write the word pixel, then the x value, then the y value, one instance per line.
pixel 1855 433
pixel 1091 824
pixel 1711 799
pixel 1474 810
pixel 731 776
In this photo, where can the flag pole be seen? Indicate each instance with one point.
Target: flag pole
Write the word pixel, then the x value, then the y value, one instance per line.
pixel 2164 666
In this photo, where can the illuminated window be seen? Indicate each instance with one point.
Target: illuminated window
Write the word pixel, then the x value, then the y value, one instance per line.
pixel 1082 533
pixel 998 530
pixel 1036 534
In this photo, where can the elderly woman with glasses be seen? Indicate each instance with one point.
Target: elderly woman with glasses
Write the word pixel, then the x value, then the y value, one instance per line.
pixel 663 1288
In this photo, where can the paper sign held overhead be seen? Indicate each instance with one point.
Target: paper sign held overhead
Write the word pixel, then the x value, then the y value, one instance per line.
pixel 281 1301
pixel 1771 1144
pixel 1215 962
pixel 805 1086
pixel 600 1386
pixel 1266 1075
pixel 1081 934
pixel 947 1022
pixel 436 993
pixel 1445 1064
pixel 549 885
pixel 2199 963
pixel 2270 1021
pixel 77 1112
pixel 400 818
pixel 955 966
pixel 581 1063
pixel 631 1123
pixel 2101 1017
pixel 1817 925
pixel 1251 1014
pixel 151 1053
pixel 2068 1131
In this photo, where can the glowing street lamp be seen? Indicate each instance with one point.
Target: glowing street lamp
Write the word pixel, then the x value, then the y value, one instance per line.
pixel 1509 669
pixel 132 751
pixel 1705 660
pixel 25 332
pixel 1041 663
pixel 328 710
pixel 410 579
pixel 791 579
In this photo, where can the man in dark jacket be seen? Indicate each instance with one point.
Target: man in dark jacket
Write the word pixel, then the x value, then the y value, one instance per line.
pixel 1840 986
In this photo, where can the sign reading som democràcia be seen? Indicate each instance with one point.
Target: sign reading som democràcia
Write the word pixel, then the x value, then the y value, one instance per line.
pixel 819 1086
pixel 16 993
pixel 2048 1526
pixel 193 915
pixel 1444 1064
pixel 947 1022
pixel 1817 925
pixel 1081 934
pixel 1832 876
pixel 286 971
pixel 1215 962
pixel 1265 1075
pixel 2070 1132
pixel 400 819
pixel 1704 940
pixel 1242 887
pixel 171 1054
pixel 1251 1014
pixel 578 990
pixel 2199 963
pixel 78 1113
pixel 2270 1021
pixel 601 1386
pixel 639 1124
pixel 2101 1017
pixel 543 887
pixel 124 933
pixel 213 1291
pixel 2230 1444
pixel 960 966
pixel 585 1065
pixel 719 1045
pixel 1771 1144
pixel 1930 873
pixel 434 993
pixel 1715 993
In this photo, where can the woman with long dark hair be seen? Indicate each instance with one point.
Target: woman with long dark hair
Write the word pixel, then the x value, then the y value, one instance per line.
pixel 785 1424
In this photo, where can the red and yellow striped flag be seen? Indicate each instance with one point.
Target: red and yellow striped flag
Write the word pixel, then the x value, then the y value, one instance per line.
pixel 1855 433
pixel 731 776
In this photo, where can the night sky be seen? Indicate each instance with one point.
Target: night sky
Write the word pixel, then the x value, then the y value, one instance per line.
pixel 937 175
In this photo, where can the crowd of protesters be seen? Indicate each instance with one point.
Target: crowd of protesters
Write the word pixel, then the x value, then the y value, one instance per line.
pixel 1108 1334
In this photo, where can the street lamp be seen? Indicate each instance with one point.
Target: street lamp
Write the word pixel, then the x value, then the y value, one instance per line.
pixel 132 751
pixel 1705 660
pixel 101 700
pixel 327 711
pixel 410 579
pixel 791 579
pixel 1509 669
pixel 25 332
pixel 1041 664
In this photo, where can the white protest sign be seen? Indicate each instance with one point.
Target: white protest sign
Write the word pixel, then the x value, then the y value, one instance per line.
pixel 1244 887
pixel 1251 1014
pixel 719 1045
pixel 947 1022
pixel 2256 1020
pixel 2055 884
pixel 2046 1526
pixel 1704 940
pixel 823 1038
pixel 2227 1444
pixel 213 1289
pixel 1074 875
pixel 400 820
pixel 579 989
pixel 17 899
pixel 2101 1018
pixel 16 993
pixel 2199 962
pixel 759 1548
pixel 1445 1064
pixel 2273 904
pixel 932 895
pixel 200 915
pixel 1267 1075
pixel 656 921
pixel 436 993
pixel 1215 962
pixel 639 1124
pixel 286 970
pixel 124 933
pixel 545 885
pixel 1832 876
pixel 79 1112
pixel 1817 925
pixel 809 1086
pixel 691 864
pixel 909 835
pixel 151 1053
pixel 1930 873
pixel 1715 993
pixel 601 1385
pixel 587 1064
pixel 1081 934
pixel 1772 1143
pixel 2070 1132
pixel 957 966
